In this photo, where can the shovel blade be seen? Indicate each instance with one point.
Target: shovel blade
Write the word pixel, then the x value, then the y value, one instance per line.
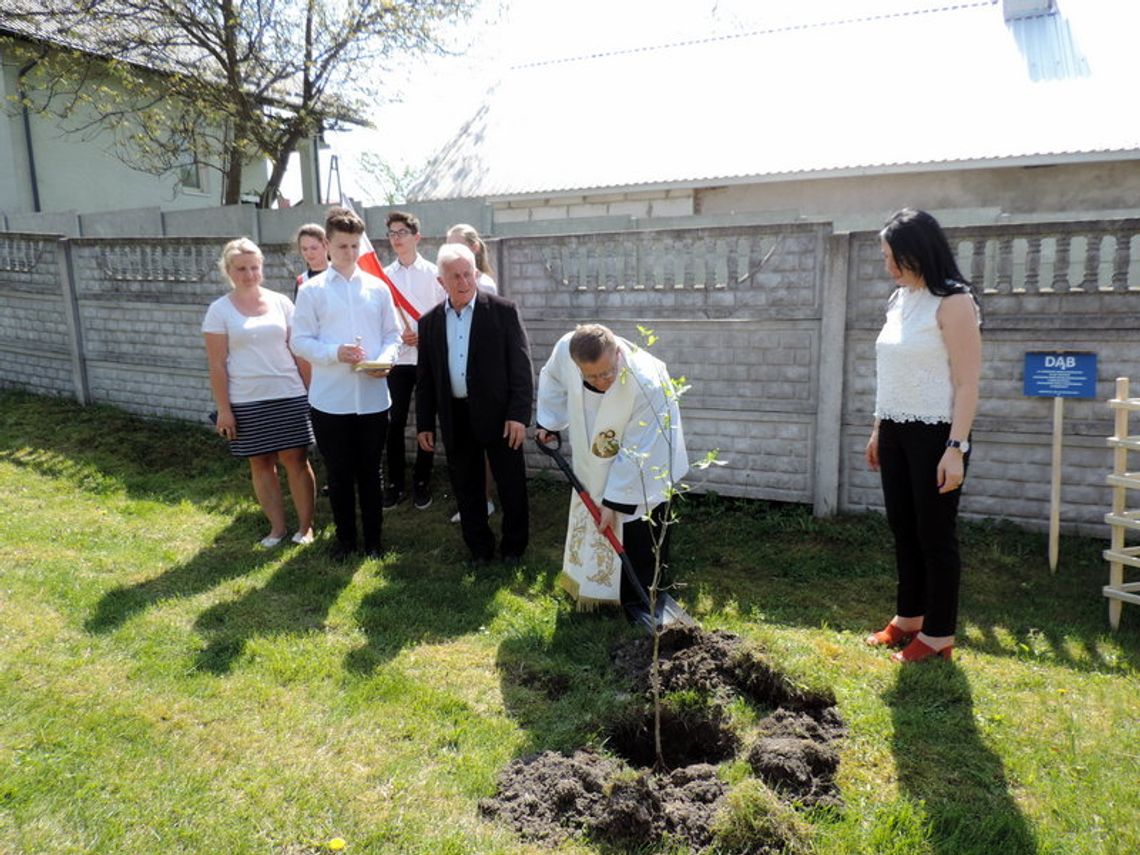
pixel 669 613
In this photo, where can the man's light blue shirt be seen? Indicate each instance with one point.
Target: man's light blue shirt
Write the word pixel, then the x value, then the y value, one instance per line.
pixel 458 345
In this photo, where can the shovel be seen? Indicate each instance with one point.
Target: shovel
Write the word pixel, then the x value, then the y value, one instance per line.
pixel 669 611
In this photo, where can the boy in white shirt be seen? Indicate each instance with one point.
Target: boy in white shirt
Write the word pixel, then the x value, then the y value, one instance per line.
pixel 342 318
pixel 416 290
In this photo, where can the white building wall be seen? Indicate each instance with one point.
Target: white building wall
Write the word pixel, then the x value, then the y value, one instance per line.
pixel 1088 190
pixel 1016 194
pixel 83 174
pixel 15 192
pixel 510 215
pixel 80 173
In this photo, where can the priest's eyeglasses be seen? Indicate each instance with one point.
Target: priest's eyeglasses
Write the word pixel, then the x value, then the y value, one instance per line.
pixel 603 376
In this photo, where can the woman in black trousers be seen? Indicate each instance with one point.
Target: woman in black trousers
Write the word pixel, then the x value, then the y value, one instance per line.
pixel 928 364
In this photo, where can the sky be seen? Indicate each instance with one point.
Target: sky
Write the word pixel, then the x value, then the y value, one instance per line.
pixel 439 93
pixel 435 95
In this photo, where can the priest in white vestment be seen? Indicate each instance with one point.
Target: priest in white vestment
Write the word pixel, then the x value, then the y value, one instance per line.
pixel 619 405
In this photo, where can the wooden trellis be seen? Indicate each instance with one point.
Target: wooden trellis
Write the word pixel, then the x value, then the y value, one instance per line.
pixel 1121 518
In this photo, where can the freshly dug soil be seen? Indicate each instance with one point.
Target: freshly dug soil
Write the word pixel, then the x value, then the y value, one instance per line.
pixel 620 800
pixel 714 663
pixel 793 755
pixel 549 797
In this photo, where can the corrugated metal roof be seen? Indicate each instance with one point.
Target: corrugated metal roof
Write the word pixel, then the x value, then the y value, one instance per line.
pixel 63 24
pixel 955 84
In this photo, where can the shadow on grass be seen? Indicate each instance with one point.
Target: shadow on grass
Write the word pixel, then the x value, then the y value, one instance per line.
pixel 228 557
pixel 429 595
pixel 559 687
pixel 422 602
pixel 101 449
pixel 779 564
pixel 944 765
pixel 295 600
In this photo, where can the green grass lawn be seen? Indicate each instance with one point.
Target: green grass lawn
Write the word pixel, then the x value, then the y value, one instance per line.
pixel 166 687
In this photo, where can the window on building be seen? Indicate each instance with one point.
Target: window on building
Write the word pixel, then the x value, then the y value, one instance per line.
pixel 191 176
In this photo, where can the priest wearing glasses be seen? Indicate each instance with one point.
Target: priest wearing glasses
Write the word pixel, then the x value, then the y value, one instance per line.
pixel 619 406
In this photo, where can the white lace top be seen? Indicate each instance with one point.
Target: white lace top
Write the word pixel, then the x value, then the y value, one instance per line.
pixel 912 364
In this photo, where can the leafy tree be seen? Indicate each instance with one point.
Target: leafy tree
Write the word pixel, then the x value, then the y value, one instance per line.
pixel 390 182
pixel 673 389
pixel 223 80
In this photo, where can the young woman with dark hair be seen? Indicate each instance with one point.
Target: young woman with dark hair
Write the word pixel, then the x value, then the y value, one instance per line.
pixel 928 365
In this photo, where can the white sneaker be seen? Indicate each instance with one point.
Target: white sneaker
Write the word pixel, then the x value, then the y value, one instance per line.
pixel 269 541
pixel 490 510
pixel 304 538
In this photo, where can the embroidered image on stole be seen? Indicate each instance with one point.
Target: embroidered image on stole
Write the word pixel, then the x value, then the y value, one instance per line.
pixel 591 569
pixel 606 444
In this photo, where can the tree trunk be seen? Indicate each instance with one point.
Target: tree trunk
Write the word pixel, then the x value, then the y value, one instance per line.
pixel 232 195
pixel 280 164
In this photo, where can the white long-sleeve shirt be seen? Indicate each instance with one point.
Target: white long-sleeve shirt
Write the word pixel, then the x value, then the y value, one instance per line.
pixel 420 287
pixel 332 311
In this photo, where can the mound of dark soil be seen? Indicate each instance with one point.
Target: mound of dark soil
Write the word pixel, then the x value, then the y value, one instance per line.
pixel 717 664
pixel 550 796
pixel 793 755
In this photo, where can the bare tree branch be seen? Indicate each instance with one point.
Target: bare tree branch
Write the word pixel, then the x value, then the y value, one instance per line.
pixel 221 80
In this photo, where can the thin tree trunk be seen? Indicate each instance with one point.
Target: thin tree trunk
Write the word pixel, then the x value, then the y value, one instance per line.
pixel 655 682
pixel 233 176
pixel 280 165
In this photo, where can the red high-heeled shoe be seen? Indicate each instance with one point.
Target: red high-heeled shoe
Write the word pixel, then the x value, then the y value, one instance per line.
pixel 889 636
pixel 918 650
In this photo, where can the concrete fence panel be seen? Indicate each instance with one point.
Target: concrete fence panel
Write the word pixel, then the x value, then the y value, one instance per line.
pixel 772 325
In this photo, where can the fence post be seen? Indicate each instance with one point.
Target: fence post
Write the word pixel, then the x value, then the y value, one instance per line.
pixel 829 380
pixel 74 327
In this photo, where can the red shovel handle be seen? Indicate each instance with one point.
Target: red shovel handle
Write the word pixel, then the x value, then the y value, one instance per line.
pixel 552 451
pixel 597 515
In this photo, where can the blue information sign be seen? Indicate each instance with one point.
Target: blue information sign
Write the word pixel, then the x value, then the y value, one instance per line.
pixel 1060 374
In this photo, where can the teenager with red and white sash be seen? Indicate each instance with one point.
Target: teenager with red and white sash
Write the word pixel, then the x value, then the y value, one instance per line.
pixel 415 290
pixel 617 402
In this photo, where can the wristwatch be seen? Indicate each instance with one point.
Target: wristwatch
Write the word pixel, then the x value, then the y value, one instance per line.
pixel 963 445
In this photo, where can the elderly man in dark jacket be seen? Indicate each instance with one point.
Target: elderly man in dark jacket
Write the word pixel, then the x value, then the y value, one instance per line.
pixel 474 374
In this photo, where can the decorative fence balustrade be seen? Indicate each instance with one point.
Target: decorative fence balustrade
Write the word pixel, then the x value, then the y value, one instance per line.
pixel 1051 258
pixel 695 259
pixel 148 261
pixel 20 254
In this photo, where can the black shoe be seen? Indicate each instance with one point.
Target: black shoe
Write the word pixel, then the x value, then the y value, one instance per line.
pixel 341 552
pixel 392 497
pixel 512 560
pixel 373 552
pixel 421 496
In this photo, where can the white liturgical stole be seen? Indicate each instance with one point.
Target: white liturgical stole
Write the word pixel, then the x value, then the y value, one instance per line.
pixel 591 569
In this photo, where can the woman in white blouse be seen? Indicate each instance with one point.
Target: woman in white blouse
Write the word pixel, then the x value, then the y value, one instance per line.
pixel 928 364
pixel 263 409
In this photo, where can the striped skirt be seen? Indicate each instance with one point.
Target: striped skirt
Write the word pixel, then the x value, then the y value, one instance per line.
pixel 265 426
